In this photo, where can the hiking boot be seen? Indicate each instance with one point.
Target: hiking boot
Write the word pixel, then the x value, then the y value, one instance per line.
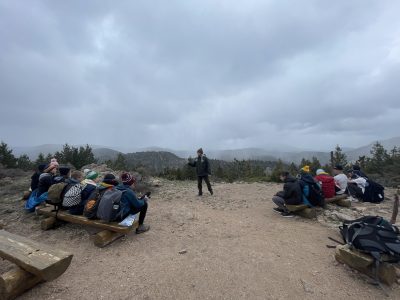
pixel 142 228
pixel 212 193
pixel 287 214
pixel 278 210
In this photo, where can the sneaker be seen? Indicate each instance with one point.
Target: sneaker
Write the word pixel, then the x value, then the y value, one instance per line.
pixel 287 214
pixel 278 210
pixel 142 228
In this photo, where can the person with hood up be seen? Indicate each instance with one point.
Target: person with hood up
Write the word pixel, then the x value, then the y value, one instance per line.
pixel 203 170
pixel 291 194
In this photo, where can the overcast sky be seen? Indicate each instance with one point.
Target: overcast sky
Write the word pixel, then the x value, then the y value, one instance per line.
pixel 185 74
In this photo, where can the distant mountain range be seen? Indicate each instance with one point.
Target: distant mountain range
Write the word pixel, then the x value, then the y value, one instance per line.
pixel 288 154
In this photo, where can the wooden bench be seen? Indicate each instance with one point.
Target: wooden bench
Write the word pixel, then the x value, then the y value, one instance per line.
pixel 111 230
pixel 364 263
pixel 303 211
pixel 34 262
pixel 340 200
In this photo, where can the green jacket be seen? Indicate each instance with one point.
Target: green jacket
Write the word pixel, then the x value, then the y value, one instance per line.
pixel 202 165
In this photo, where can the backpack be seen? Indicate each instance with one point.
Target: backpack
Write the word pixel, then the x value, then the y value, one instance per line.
pixel 92 204
pixel 375 236
pixel 374 192
pixel 109 205
pixel 55 193
pixel 313 193
pixel 72 195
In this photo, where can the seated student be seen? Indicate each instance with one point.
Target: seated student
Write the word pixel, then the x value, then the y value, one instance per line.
pixel 46 179
pixel 356 185
pixel 130 204
pixel 311 189
pixel 357 171
pixel 74 194
pixel 89 185
pixel 327 183
pixel 64 174
pixel 35 177
pixel 291 194
pixel 340 180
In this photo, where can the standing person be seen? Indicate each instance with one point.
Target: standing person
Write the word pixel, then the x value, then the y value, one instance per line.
pixel 202 170
pixel 340 180
pixel 130 203
pixel 291 194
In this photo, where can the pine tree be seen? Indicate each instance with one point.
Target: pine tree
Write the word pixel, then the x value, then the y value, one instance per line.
pixel 24 163
pixel 338 157
pixel 41 159
pixel 7 159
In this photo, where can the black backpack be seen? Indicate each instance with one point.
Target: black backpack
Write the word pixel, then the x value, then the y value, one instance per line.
pixel 375 236
pixel 374 192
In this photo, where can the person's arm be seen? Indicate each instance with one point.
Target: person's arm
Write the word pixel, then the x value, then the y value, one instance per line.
pixel 134 201
pixel 208 169
pixel 191 162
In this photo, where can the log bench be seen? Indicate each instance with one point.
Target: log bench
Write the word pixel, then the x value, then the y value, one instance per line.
pixel 110 231
pixel 34 263
pixel 364 263
pixel 303 211
pixel 340 200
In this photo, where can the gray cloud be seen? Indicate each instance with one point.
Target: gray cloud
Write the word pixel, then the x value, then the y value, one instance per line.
pixel 184 74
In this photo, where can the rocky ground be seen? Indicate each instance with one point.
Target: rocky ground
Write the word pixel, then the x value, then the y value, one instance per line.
pixel 227 246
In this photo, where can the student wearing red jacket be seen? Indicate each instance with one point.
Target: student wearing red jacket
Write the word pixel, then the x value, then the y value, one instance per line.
pixel 327 183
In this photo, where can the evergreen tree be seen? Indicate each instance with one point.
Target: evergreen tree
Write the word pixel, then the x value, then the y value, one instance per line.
pixel 315 165
pixel 7 159
pixel 41 159
pixel 24 163
pixel 338 157
pixel 119 163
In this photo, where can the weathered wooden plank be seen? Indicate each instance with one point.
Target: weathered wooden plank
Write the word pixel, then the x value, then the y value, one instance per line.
pixel 48 223
pixel 364 263
pixel 33 257
pixel 106 237
pixel 16 281
pixel 65 216
pixel 335 199
pixel 294 208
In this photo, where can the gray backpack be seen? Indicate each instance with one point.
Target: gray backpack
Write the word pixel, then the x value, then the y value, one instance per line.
pixel 109 205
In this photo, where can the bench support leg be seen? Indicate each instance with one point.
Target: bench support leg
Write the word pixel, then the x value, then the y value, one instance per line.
pixel 16 281
pixel 48 223
pixel 105 237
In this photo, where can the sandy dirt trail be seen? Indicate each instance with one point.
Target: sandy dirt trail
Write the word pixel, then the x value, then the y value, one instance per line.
pixel 233 246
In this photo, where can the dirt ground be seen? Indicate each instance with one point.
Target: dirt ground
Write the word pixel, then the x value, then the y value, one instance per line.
pixel 228 246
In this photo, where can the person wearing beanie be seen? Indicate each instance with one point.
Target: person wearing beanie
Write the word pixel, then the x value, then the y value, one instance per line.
pixel 340 180
pixel 89 185
pixel 326 182
pixel 46 179
pixel 35 177
pixel 203 170
pixel 130 204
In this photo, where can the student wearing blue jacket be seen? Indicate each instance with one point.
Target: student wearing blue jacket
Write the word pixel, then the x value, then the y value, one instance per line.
pixel 130 204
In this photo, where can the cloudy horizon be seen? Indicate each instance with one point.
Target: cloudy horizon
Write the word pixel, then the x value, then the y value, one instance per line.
pixel 217 74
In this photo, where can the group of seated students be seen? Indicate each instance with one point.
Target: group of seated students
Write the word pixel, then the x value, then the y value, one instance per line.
pixel 88 183
pixel 299 190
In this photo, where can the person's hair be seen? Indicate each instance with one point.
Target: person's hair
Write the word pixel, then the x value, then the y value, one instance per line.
pixel 284 174
pixel 76 175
